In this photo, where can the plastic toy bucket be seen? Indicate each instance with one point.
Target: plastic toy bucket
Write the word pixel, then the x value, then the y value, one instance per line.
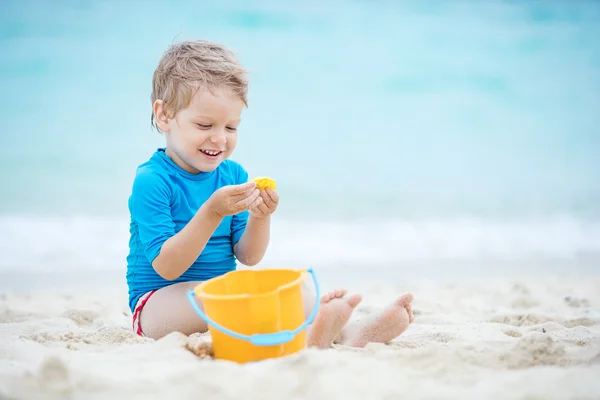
pixel 255 314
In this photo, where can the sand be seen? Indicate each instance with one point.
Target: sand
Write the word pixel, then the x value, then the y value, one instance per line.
pixel 537 338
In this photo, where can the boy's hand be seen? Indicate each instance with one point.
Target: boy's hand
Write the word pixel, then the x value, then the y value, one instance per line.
pixel 233 199
pixel 268 205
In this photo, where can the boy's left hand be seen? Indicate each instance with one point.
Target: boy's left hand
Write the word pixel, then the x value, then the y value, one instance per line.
pixel 268 205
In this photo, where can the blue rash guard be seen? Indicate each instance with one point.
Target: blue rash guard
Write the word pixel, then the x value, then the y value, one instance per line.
pixel 163 200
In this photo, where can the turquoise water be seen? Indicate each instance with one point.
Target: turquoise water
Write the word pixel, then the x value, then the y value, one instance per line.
pixel 445 130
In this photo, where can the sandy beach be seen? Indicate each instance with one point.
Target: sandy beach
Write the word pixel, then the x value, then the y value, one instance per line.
pixel 443 148
pixel 536 338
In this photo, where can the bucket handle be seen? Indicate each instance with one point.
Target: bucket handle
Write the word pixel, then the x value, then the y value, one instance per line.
pixel 262 339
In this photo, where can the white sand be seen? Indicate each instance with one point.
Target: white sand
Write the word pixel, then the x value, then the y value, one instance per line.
pixel 479 340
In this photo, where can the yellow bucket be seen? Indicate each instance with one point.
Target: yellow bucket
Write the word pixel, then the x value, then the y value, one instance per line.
pixel 253 315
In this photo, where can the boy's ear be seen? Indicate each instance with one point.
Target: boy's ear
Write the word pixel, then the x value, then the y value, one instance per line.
pixel 160 115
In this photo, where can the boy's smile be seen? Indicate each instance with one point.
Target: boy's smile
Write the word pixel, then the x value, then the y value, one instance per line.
pixel 204 134
pixel 211 153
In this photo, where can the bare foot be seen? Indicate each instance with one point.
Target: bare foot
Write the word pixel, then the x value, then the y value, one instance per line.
pixel 381 327
pixel 334 313
pixel 408 306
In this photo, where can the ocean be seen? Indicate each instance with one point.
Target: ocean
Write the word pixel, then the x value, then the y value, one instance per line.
pixel 404 136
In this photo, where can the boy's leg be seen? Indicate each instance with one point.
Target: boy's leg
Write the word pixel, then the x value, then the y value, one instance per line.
pixel 334 313
pixel 168 310
pixel 380 327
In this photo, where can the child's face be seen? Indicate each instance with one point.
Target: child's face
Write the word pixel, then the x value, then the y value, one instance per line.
pixel 203 134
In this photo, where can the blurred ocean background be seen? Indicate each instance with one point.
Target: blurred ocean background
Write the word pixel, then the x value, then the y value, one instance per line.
pixel 428 138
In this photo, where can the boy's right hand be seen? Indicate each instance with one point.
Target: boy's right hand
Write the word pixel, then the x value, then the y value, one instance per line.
pixel 233 199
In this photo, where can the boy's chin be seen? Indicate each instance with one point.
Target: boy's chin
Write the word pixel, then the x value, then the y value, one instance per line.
pixel 208 167
pixel 204 165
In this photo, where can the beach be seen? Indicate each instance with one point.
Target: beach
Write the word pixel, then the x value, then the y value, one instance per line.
pixel 447 149
pixel 534 338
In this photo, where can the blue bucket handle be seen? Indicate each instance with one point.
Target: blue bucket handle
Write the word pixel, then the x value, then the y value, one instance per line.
pixel 262 339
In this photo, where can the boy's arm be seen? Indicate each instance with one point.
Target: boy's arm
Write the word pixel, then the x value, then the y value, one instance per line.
pixel 251 230
pixel 181 250
pixel 170 254
pixel 252 246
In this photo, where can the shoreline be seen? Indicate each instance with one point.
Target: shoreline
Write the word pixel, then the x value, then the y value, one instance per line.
pixel 359 274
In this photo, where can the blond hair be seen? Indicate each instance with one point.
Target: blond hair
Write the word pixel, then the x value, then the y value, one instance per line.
pixel 187 66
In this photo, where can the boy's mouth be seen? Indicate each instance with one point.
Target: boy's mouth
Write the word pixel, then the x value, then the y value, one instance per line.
pixel 211 153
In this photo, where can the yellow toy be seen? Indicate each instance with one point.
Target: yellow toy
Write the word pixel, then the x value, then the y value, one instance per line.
pixel 263 182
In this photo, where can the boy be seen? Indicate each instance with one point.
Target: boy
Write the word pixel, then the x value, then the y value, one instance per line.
pixel 193 211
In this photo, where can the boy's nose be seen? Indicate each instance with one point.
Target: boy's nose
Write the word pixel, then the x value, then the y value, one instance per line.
pixel 218 137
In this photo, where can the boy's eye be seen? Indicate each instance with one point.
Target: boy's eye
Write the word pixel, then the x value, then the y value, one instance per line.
pixel 231 129
pixel 202 126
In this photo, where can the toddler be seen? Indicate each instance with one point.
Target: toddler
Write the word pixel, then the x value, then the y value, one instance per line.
pixel 194 212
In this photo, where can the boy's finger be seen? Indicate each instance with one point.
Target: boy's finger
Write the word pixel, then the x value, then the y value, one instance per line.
pixel 259 203
pixel 244 188
pixel 273 196
pixel 246 201
pixel 242 191
pixel 262 207
pixel 267 199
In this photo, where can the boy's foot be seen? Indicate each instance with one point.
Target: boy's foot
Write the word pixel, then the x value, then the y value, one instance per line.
pixel 381 327
pixel 334 313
